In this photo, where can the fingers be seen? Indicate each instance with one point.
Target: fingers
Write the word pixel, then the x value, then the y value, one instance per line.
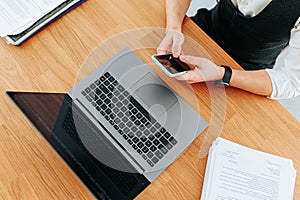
pixel 188 76
pixel 171 43
pixel 165 46
pixel 177 43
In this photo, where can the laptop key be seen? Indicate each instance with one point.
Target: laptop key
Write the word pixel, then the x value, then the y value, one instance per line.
pixel 151 137
pixel 121 125
pixel 156 142
pixel 148 143
pixel 115 83
pixel 146 132
pixel 99 102
pixel 139 115
pixel 92 86
pixel 130 135
pixel 83 92
pixel 102 78
pixel 162 130
pixel 111 88
pixel 135 140
pixel 153 130
pixel 97 91
pixel 139 133
pixel 159 154
pixel 126 130
pixel 154 160
pixel 157 125
pixel 124 119
pixel 145 149
pixel 111 79
pixel 107 74
pixel 97 82
pixel 164 140
pixel 88 98
pixel 162 149
pixel 125 136
pixel 120 88
pixel 103 106
pixel 129 124
pixel 134 129
pixel 104 89
pixel 153 148
pixel 139 151
pixel 157 134
pixel 140 144
pixel 116 127
pixel 87 90
pixel 125 93
pixel 107 101
pixel 102 96
pixel 108 111
pixel 150 163
pixel 169 146
pixel 143 138
pixel 167 134
pixel 137 122
pixel 173 141
pixel 150 154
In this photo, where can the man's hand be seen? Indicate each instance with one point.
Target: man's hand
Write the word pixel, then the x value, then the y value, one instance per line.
pixel 205 70
pixel 171 43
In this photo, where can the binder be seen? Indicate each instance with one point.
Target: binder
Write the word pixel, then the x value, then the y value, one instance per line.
pixel 47 19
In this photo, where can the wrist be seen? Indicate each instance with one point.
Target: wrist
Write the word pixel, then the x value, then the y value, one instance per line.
pixel 221 72
pixel 174 27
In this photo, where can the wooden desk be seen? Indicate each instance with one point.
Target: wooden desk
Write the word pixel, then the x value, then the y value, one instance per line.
pixel 49 62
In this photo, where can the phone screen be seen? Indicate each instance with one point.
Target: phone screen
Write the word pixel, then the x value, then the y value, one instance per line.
pixel 173 65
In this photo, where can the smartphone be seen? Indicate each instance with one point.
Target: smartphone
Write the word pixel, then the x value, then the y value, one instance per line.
pixel 170 65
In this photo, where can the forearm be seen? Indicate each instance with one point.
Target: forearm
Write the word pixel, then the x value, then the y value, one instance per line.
pixel 175 12
pixel 257 82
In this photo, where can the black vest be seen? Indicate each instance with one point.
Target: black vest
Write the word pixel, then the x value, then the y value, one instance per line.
pixel 254 42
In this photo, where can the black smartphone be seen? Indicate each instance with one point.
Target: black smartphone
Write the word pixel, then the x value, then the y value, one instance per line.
pixel 170 65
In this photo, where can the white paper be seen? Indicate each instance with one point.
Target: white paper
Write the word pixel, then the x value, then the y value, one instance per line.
pixel 17 15
pixel 235 172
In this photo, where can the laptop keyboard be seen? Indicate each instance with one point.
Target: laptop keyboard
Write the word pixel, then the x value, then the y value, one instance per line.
pixel 145 135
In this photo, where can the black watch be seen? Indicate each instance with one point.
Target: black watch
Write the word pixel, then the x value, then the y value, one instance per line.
pixel 225 81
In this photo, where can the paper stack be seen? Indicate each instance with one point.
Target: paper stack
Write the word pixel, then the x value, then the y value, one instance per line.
pixel 20 19
pixel 235 172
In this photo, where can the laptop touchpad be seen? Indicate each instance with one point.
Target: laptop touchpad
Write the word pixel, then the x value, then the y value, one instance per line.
pixel 156 96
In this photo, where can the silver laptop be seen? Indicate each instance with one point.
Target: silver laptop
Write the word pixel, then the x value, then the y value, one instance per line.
pixel 129 120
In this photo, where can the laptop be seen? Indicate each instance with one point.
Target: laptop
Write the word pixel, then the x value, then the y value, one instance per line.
pixel 122 126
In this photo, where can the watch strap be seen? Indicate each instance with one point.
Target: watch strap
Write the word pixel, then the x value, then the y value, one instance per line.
pixel 227 75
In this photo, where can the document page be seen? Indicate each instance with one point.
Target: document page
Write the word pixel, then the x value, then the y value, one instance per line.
pixel 235 172
pixel 17 15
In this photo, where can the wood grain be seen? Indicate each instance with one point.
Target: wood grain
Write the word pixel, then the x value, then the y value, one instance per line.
pixel 58 56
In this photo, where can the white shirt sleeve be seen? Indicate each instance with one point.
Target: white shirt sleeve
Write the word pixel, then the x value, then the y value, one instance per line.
pixel 285 75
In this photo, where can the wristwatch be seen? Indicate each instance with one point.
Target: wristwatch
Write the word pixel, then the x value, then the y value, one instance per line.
pixel 225 81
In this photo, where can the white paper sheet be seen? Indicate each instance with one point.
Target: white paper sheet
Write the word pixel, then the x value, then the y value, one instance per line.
pixel 17 15
pixel 235 172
